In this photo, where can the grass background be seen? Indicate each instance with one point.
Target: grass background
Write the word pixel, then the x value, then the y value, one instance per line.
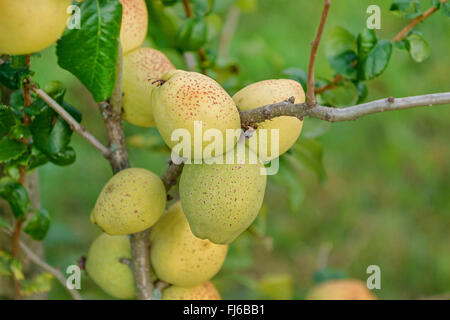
pixel 387 197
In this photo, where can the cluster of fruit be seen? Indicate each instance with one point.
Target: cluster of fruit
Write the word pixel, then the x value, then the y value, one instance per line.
pixel 189 242
pixel 218 202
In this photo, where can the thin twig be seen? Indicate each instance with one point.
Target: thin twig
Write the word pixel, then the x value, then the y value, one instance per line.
pixel 287 108
pixel 75 126
pixel 333 84
pixel 310 95
pixel 187 8
pixel 416 21
pixel 45 266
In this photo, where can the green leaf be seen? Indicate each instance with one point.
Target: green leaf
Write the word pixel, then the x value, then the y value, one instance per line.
pixel 11 77
pixel 11 149
pixel 39 284
pixel 20 131
pixel 376 61
pixel 7 120
pixel 418 48
pixel 340 50
pixel 37 227
pixel 65 157
pixel 169 3
pixel 310 154
pixel 406 8
pixel 343 95
pixel 202 8
pixel 367 40
pixel 56 90
pixel 16 269
pixel 192 34
pixel 90 53
pixel 446 9
pixel 51 133
pixel 37 159
pixel 436 3
pixel 413 15
pixel 402 45
pixel 16 102
pixel 5 260
pixel 9 266
pixel 17 197
pixel 298 75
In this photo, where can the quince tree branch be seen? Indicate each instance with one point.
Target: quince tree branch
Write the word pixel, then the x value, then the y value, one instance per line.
pixel 140 243
pixel 300 110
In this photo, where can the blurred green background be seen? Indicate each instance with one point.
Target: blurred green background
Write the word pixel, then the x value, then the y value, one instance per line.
pixel 386 200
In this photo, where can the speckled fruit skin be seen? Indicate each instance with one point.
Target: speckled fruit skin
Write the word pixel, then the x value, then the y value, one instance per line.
pixel 189 96
pixel 205 291
pixel 132 201
pixel 342 289
pixel 134 24
pixel 221 200
pixel 177 256
pixel 140 69
pixel 267 92
pixel 104 267
pixel 29 26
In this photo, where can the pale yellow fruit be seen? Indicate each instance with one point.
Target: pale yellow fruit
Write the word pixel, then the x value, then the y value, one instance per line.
pixel 140 69
pixel 205 291
pixel 267 92
pixel 186 97
pixel 134 24
pixel 29 26
pixel 131 201
pixel 222 200
pixel 342 289
pixel 104 266
pixel 177 256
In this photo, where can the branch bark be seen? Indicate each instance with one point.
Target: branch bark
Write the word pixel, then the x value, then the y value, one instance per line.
pixel 287 108
pixel 118 159
pixel 170 176
pixel 310 93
